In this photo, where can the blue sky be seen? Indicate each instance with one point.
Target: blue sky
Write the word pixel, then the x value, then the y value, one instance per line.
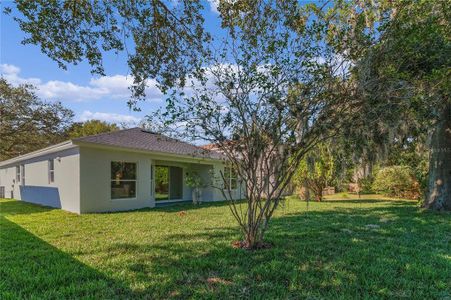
pixel 89 97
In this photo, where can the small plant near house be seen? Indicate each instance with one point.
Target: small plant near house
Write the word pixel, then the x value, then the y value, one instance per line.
pixel 195 181
pixel 397 181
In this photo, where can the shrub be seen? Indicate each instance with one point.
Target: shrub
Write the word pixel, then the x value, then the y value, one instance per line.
pixel 366 185
pixel 315 172
pixel 397 181
pixel 345 195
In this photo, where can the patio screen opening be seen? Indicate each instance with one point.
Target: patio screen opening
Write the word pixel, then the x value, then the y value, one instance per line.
pixel 168 183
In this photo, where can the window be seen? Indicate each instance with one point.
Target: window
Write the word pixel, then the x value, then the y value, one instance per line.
pixel 17 173
pixel 123 180
pixel 22 171
pixel 51 167
pixel 230 178
pixel 168 183
pixel 151 180
pixel 161 183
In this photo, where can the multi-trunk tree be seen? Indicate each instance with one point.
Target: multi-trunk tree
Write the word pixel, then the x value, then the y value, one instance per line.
pixel 267 96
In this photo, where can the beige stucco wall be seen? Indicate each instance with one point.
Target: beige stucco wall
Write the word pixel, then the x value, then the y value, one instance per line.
pixel 7 175
pixel 62 193
pixel 83 184
pixel 95 178
pixel 217 182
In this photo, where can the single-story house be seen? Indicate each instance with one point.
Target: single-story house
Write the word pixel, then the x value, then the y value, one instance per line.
pixel 122 170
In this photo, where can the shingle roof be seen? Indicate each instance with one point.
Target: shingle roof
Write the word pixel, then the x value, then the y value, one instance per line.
pixel 140 139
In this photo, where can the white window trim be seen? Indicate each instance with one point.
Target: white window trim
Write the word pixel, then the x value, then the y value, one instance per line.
pixel 230 177
pixel 152 180
pixel 51 172
pixel 22 174
pixel 18 176
pixel 127 180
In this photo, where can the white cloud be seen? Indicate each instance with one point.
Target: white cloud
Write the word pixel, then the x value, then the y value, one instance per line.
pixel 214 5
pixel 9 69
pixel 11 74
pixel 113 87
pixel 118 86
pixel 108 117
pixel 68 91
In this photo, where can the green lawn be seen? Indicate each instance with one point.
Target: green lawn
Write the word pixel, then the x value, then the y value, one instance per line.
pixel 159 196
pixel 342 249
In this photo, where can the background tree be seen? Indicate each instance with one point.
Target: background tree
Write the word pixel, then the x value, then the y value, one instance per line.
pixel 397 181
pixel 28 123
pixel 90 127
pixel 401 66
pixel 316 170
pixel 414 154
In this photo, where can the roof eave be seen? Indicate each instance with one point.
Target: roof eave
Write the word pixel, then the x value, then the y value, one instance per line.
pixel 160 153
pixel 51 149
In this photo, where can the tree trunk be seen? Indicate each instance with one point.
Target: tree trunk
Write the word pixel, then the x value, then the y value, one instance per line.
pixel 253 240
pixel 319 196
pixel 439 186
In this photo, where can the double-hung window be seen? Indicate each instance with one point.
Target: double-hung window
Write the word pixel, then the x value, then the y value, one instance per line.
pixel 22 173
pixel 51 170
pixel 123 180
pixel 17 173
pixel 230 178
pixel 152 187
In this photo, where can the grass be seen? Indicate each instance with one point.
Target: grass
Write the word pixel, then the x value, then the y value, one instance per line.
pixel 341 249
pixel 159 196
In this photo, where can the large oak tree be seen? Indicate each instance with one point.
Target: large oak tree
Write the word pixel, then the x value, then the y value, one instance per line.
pixel 28 123
pixel 400 51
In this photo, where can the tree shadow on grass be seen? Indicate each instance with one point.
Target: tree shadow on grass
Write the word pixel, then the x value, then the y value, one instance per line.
pixel 173 207
pixel 32 268
pixel 368 201
pixel 190 206
pixel 16 207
